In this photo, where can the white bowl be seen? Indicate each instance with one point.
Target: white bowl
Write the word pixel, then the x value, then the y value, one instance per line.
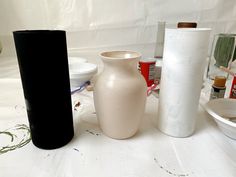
pixel 77 60
pixel 81 72
pixel 222 109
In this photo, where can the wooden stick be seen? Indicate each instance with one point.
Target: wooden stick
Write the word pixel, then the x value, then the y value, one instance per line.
pixel 230 118
pixel 227 70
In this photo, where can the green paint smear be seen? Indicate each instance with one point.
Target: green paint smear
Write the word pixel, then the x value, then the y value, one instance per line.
pixel 25 139
pixel 224 50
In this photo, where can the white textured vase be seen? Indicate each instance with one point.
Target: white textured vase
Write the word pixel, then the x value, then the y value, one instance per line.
pixel 184 62
pixel 120 94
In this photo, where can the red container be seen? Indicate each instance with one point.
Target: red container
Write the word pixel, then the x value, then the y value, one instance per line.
pixel 233 89
pixel 147 69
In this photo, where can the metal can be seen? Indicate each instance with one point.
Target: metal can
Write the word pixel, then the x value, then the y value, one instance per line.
pixel 147 69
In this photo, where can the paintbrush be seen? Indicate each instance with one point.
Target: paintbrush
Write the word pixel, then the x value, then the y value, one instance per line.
pixel 227 70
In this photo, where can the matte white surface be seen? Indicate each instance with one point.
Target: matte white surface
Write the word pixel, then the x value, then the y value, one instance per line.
pixel 183 67
pixel 120 94
pixel 91 154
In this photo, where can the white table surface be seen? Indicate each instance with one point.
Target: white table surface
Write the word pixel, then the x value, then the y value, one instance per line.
pixel 207 153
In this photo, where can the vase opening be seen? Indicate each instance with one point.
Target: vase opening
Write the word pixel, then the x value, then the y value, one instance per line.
pixel 189 29
pixel 120 55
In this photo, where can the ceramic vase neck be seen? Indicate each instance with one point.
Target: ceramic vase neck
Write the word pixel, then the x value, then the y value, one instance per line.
pixel 120 65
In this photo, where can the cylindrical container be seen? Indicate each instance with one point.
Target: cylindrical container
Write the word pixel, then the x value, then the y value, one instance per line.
pixel 218 88
pixel 184 57
pixel 147 69
pixel 233 88
pixel 159 49
pixel 43 64
pixel 120 94
pixel 160 40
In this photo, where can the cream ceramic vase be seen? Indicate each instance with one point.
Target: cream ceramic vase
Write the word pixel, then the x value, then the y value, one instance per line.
pixel 120 94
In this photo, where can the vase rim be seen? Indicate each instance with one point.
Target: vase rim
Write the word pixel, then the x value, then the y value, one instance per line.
pixel 189 29
pixel 40 31
pixel 120 55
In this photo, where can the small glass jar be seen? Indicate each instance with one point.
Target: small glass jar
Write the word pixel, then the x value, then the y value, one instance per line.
pixel 218 88
pixel 222 54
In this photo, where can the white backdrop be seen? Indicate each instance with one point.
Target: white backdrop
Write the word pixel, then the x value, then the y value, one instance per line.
pixel 101 23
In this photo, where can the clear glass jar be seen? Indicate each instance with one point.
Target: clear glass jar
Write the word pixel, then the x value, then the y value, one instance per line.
pixel 222 54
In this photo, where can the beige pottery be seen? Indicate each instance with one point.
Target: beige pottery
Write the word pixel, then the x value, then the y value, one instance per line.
pixel 120 94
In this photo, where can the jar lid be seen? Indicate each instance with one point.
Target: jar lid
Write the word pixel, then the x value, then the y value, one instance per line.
pixel 220 81
pixel 187 25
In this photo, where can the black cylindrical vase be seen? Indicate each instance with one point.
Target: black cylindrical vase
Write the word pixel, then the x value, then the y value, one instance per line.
pixel 43 63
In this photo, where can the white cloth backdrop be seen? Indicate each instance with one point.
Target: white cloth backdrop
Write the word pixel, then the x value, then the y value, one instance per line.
pixel 101 23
